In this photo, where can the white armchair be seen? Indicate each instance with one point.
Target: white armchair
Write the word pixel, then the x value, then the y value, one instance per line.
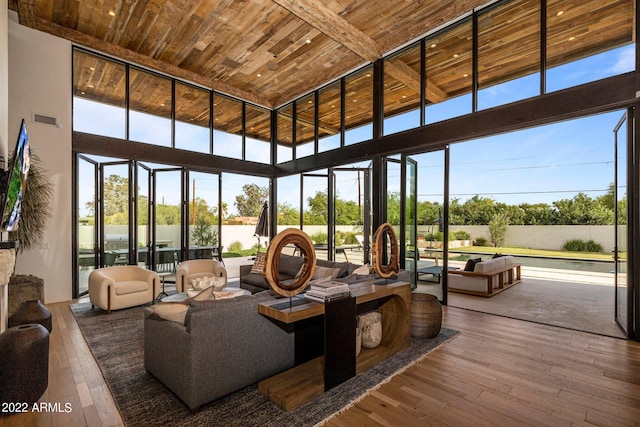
pixel 198 268
pixel 113 288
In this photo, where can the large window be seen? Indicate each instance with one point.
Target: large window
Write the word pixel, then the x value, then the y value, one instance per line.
pixel 590 41
pixel 402 90
pixel 305 129
pixel 258 134
pixel 227 126
pixel 149 108
pixel 193 118
pixel 329 117
pixel 508 53
pixel 449 73
pixel 285 134
pixel 358 108
pixel 99 88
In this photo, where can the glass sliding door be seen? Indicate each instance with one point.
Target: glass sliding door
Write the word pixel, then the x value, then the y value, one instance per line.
pixel 143 236
pixel 409 249
pixel 203 218
pixel 314 205
pixel 115 213
pixel 167 212
pixel 87 223
pixel 622 134
pixel 351 205
pixel 401 209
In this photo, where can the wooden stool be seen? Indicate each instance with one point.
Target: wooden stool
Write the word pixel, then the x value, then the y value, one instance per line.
pixel 426 315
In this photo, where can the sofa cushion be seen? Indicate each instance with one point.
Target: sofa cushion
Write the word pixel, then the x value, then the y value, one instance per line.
pixel 172 311
pixel 255 280
pixel 214 304
pixel 343 266
pixel 363 270
pixel 471 264
pixel 258 263
pixel 325 273
pixel 130 287
pixel 289 265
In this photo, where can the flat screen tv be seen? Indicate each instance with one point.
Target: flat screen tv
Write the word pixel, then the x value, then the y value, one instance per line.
pixel 14 186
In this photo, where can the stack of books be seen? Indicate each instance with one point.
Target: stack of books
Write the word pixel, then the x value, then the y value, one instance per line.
pixel 327 291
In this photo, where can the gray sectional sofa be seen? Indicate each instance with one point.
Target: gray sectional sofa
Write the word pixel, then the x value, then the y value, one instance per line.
pixel 223 346
pixel 288 267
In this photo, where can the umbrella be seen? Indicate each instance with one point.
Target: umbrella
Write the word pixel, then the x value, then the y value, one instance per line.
pixel 262 227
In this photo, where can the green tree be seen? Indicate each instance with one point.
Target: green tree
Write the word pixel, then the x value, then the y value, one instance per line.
pixel 250 203
pixel 538 214
pixel 287 214
pixel 428 213
pixel 393 208
pixel 317 214
pixel 167 215
pixel 203 221
pixel 498 228
pixel 582 210
pixel 347 212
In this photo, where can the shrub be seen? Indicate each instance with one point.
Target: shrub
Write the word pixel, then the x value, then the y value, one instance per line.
pixel 348 238
pixel 461 235
pixel 235 246
pixel 578 245
pixel 592 246
pixel 481 241
pixel 319 238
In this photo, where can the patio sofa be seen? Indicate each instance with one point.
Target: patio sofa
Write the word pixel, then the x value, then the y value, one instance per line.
pixel 485 278
pixel 221 346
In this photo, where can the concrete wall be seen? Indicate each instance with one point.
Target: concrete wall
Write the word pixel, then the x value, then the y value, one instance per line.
pixel 40 82
pixel 548 236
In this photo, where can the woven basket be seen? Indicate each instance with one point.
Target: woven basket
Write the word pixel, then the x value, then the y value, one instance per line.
pixel 426 315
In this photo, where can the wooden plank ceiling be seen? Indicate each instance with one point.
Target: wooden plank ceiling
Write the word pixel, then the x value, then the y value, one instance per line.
pixel 269 52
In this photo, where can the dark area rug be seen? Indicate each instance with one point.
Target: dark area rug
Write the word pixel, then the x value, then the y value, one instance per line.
pixel 116 341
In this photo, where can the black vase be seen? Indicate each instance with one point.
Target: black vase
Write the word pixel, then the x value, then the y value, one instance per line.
pixel 24 363
pixel 31 312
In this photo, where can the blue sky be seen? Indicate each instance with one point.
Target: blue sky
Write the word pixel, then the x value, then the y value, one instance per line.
pixel 543 164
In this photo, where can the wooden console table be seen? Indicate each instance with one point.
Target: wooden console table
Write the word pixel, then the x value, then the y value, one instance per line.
pixel 296 386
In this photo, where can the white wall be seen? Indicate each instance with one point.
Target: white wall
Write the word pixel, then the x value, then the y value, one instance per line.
pixel 40 82
pixel 4 79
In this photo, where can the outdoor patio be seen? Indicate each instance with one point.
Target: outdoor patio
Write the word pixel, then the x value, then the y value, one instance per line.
pixel 570 299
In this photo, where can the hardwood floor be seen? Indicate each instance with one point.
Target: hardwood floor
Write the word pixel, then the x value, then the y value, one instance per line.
pixel 497 371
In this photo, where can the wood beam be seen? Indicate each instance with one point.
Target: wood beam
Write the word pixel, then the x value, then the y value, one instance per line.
pixel 143 60
pixel 408 76
pixel 333 26
pixel 26 13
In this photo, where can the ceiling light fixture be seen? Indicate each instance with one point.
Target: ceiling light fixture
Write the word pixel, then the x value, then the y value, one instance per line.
pixel 112 13
pixel 560 13
pixel 572 38
pixel 433 45
pixel 259 75
pixel 307 41
pixel 455 55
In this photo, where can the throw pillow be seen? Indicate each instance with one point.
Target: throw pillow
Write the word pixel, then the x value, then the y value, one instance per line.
pixel 325 273
pixel 172 311
pixel 371 329
pixel 218 283
pixel 228 294
pixel 362 270
pixel 471 264
pixel 202 295
pixel 258 264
